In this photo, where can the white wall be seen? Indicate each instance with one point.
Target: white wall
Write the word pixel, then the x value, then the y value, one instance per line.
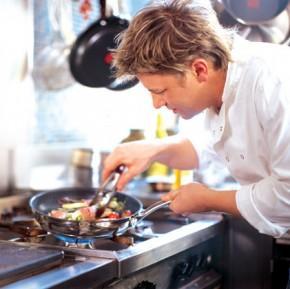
pixel 16 101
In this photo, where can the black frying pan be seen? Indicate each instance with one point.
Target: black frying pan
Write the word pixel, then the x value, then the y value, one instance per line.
pixel 90 57
pixel 42 203
pixel 254 11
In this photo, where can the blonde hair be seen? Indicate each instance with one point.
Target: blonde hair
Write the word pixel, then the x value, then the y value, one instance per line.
pixel 166 37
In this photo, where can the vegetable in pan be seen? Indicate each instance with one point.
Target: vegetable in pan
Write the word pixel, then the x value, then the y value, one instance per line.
pixel 81 211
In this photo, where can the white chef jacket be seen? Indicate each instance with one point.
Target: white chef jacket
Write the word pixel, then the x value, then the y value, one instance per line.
pixel 251 133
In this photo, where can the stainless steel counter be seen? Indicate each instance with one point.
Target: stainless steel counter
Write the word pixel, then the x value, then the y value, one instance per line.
pixel 82 274
pixel 90 268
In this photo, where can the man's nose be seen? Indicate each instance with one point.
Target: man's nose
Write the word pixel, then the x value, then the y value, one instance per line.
pixel 158 101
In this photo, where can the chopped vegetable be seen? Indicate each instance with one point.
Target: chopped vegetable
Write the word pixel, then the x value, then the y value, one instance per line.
pixel 114 215
pixel 126 213
pixel 113 204
pixel 79 210
pixel 58 214
pixel 88 213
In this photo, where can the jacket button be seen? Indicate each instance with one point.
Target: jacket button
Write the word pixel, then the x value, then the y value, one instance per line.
pixel 221 128
pixel 227 158
pixel 242 156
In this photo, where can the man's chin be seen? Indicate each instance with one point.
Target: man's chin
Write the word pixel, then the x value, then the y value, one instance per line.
pixel 188 116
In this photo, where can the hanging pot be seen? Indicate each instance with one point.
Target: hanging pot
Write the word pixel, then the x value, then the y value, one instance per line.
pixel 90 58
pixel 274 30
pixel 251 12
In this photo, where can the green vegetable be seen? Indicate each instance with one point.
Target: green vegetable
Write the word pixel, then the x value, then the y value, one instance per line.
pixel 113 204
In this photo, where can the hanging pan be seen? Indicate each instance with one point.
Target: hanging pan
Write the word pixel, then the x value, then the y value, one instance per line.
pixel 90 58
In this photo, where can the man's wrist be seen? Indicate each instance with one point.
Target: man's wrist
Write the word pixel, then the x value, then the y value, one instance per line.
pixel 222 201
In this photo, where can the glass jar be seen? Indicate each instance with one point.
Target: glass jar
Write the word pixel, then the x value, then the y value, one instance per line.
pixel 135 134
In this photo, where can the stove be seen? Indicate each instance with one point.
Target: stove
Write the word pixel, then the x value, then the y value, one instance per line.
pixel 164 251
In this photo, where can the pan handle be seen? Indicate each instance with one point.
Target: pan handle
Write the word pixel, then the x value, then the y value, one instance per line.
pixel 151 209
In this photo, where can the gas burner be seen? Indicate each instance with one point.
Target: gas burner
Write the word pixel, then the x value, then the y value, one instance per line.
pixel 69 241
pixel 26 226
pixel 25 239
pixel 114 243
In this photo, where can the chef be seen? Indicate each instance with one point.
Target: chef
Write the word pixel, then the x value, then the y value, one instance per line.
pixel 190 64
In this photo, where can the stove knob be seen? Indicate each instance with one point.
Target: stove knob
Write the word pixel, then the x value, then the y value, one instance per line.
pixel 192 261
pixel 179 274
pixel 180 269
pixel 203 261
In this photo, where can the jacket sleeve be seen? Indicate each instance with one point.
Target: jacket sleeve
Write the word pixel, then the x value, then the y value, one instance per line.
pixel 266 204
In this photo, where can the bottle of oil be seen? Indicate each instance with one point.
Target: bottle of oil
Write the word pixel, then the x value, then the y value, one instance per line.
pixel 158 169
pixel 134 135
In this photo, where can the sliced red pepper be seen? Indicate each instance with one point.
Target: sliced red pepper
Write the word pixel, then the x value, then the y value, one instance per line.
pixel 114 215
pixel 126 213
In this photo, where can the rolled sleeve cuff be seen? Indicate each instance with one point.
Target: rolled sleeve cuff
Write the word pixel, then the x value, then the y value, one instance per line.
pixel 248 209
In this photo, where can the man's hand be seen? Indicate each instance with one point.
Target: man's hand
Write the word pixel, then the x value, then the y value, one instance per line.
pixel 136 156
pixel 196 198
pixel 174 151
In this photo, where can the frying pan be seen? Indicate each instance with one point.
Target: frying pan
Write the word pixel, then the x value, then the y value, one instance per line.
pixel 90 57
pixel 251 12
pixel 42 203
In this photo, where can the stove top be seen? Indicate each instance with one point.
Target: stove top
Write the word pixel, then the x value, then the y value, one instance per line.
pixel 160 236
pixel 18 261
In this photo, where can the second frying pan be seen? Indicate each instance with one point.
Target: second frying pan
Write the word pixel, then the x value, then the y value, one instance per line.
pixel 90 58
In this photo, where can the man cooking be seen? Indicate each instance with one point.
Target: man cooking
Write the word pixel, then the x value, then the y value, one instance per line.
pixel 191 64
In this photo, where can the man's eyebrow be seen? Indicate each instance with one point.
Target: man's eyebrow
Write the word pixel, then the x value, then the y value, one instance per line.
pixel 157 90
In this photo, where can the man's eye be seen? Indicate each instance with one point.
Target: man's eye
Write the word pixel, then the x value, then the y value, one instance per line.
pixel 159 92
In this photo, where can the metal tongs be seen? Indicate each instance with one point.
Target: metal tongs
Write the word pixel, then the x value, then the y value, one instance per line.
pixel 106 191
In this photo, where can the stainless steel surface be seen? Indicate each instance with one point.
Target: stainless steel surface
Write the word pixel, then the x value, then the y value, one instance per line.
pixel 82 157
pixel 103 261
pixel 151 209
pixel 18 260
pixel 276 30
pixel 81 274
pixel 189 269
pixel 174 242
pixel 80 170
pixel 254 12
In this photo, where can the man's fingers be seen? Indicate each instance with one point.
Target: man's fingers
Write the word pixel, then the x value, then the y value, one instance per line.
pixel 169 196
pixel 124 180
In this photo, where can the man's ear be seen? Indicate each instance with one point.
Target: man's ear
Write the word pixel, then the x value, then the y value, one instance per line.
pixel 199 68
